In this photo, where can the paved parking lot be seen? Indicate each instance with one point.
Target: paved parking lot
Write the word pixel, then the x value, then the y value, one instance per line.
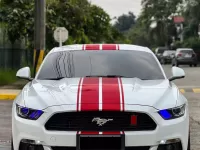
pixel 192 80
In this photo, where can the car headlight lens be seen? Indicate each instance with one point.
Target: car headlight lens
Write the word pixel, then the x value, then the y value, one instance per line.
pixel 172 113
pixel 28 113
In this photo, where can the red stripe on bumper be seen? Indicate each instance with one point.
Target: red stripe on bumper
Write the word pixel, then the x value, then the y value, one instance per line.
pixel 89 133
pixel 112 133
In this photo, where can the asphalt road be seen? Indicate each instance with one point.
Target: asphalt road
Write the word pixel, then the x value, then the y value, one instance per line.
pixel 192 80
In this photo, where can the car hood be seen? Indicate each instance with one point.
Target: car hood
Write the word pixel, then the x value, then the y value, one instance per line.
pixel 108 93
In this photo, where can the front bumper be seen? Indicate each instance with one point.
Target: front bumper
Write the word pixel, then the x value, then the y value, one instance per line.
pixel 166 130
pixel 187 61
pixel 167 60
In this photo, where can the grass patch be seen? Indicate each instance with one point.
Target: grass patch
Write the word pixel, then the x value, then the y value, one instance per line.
pixel 7 76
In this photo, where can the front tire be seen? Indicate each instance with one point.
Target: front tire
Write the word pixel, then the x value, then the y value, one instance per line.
pixel 176 64
pixel 188 148
pixel 163 61
pixel 12 147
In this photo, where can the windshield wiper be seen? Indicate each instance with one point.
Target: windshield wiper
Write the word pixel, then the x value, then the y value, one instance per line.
pixel 107 76
pixel 59 78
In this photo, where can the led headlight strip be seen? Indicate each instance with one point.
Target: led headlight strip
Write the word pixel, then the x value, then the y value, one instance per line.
pixel 172 113
pixel 28 113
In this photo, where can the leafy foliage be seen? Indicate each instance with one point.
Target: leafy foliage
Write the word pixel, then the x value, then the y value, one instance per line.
pixel 192 17
pixel 125 22
pixel 18 15
pixel 192 42
pixel 85 22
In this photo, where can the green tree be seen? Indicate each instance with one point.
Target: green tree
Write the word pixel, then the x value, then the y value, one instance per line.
pixel 86 23
pixel 125 22
pixel 192 18
pixel 138 34
pixel 18 16
pixel 161 12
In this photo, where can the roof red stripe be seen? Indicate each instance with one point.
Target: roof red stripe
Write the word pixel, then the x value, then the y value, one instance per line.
pixel 92 47
pixel 83 47
pixel 109 47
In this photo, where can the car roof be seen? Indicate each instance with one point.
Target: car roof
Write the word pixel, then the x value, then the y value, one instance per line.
pixel 169 50
pixel 182 49
pixel 100 47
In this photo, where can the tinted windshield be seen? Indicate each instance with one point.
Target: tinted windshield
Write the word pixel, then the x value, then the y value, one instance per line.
pixel 128 64
pixel 161 50
pixel 167 53
pixel 186 51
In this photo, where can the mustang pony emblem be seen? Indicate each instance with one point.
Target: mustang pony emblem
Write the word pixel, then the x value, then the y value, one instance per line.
pixel 100 121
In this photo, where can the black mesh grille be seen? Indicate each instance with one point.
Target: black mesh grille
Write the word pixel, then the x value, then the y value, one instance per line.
pixel 82 121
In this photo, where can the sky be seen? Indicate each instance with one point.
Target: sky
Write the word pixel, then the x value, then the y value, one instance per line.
pixel 118 7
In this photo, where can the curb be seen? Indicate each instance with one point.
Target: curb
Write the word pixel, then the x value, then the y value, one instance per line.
pixel 194 90
pixel 8 96
pixel 12 96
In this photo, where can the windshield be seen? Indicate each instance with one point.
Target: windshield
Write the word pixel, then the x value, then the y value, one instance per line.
pixel 167 53
pixel 186 51
pixel 72 64
pixel 161 50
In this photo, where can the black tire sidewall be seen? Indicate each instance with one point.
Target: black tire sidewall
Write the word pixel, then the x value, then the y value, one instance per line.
pixel 12 147
pixel 188 148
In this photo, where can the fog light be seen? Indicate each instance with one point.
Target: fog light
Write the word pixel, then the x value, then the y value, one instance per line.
pixel 170 141
pixel 33 142
pixel 162 142
pixel 38 142
pixel 172 144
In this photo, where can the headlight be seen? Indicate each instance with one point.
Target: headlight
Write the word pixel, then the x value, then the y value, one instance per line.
pixel 172 113
pixel 28 113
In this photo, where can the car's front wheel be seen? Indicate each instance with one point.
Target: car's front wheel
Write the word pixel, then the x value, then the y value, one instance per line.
pixel 188 148
pixel 12 148
pixel 163 61
pixel 176 64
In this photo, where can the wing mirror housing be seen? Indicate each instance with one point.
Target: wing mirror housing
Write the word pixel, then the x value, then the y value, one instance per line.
pixel 177 73
pixel 24 73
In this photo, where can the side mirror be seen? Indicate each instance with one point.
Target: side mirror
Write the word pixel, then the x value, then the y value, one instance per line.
pixel 177 73
pixel 24 73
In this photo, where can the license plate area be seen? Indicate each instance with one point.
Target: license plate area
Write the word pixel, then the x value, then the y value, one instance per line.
pixel 100 142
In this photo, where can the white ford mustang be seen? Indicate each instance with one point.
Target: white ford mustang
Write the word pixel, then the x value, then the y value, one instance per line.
pixel 100 97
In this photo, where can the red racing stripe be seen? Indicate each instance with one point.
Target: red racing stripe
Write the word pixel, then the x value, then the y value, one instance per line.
pixel 83 47
pixel 122 93
pixel 109 47
pixel 110 94
pixel 89 132
pixel 90 94
pixel 118 47
pixel 112 133
pixel 78 103
pixel 92 47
